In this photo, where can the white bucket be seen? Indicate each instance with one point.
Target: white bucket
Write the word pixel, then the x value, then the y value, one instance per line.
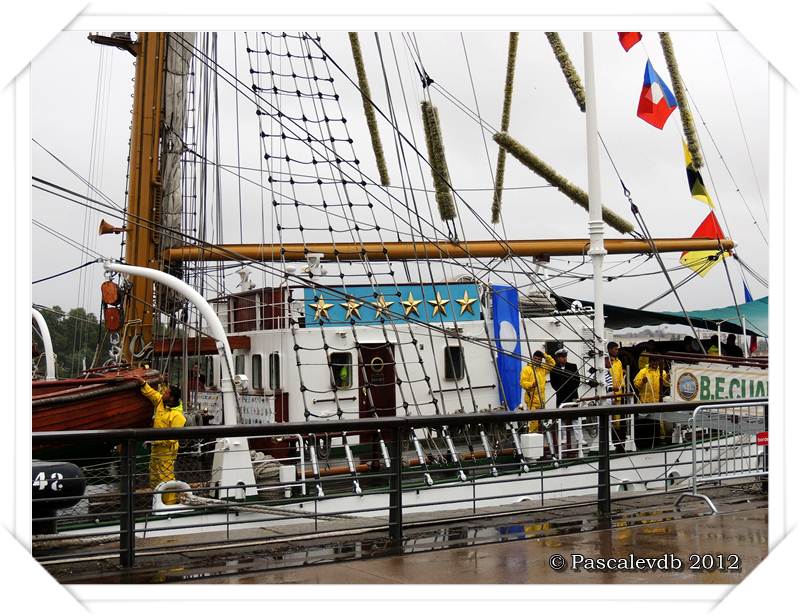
pixel 532 445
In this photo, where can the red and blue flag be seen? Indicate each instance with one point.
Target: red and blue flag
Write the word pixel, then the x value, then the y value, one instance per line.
pixel 657 102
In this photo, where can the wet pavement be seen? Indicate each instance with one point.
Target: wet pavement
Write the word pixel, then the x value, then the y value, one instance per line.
pixel 513 544
pixel 740 538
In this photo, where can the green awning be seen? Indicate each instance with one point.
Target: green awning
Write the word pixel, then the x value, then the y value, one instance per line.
pixel 755 313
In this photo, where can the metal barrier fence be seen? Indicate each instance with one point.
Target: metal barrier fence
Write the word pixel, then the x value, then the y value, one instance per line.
pixel 385 477
pixel 729 441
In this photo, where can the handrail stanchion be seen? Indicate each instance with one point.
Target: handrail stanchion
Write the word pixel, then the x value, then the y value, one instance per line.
pixel 127 527
pixel 396 490
pixel 604 471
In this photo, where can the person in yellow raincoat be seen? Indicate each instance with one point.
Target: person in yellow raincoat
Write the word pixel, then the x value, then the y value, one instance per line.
pixel 167 413
pixel 644 356
pixel 533 380
pixel 648 383
pixel 615 384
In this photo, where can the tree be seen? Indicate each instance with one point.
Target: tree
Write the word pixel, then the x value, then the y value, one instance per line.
pixel 75 335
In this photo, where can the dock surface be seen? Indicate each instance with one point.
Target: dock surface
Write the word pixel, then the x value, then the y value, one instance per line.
pixel 526 561
pixel 514 545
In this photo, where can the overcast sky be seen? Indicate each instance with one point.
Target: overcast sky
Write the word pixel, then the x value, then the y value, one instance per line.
pixel 81 100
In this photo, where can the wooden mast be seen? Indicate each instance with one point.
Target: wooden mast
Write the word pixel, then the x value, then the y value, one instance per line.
pixel 144 193
pixel 432 250
pixel 144 181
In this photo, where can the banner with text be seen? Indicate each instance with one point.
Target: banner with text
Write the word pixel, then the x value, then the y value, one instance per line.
pixel 706 382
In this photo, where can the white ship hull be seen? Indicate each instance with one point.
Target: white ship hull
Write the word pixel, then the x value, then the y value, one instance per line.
pixel 657 470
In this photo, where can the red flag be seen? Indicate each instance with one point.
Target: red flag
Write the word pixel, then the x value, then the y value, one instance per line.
pixel 701 261
pixel 629 39
pixel 710 228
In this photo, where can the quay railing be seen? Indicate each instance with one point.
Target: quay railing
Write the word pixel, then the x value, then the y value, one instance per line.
pixel 386 478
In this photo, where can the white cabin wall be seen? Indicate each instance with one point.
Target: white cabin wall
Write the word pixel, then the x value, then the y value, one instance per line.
pixel 479 360
pixel 481 386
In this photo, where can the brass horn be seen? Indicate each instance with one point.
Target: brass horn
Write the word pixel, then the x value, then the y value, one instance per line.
pixel 107 227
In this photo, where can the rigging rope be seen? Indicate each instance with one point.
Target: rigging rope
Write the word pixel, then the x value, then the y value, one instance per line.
pixel 497 199
pixel 542 169
pixel 570 74
pixel 741 127
pixel 205 58
pixel 352 163
pixel 439 171
pixel 69 271
pixel 369 112
pixel 687 121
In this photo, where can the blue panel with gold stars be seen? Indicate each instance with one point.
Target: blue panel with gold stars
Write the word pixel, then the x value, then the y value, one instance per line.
pixel 427 303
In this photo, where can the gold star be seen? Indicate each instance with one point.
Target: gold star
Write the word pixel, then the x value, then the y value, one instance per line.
pixel 381 306
pixel 439 304
pixel 410 305
pixel 352 307
pixel 321 308
pixel 466 303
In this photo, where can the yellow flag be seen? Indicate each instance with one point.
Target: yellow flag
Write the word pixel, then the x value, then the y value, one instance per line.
pixel 696 185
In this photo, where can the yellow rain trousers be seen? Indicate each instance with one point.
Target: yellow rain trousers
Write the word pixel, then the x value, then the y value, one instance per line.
pixel 617 384
pixel 163 453
pixel 533 380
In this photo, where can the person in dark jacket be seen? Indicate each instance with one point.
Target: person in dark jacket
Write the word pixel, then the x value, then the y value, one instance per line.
pixel 730 348
pixel 565 380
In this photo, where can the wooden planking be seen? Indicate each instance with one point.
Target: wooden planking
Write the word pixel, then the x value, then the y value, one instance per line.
pixel 205 346
pixel 130 411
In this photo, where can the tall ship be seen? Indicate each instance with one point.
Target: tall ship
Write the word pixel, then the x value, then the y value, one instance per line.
pixel 378 289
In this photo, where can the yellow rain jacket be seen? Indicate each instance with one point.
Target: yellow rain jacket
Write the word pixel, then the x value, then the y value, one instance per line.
pixel 533 380
pixel 648 382
pixel 617 377
pixel 163 453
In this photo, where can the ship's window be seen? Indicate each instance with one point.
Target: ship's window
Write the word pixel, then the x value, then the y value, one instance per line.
pixel 342 370
pixel 275 370
pixel 453 363
pixel 238 364
pixel 256 380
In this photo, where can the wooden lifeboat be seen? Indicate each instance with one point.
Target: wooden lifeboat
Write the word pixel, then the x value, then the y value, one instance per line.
pixel 100 400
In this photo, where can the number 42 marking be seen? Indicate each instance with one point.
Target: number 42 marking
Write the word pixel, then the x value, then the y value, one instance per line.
pixel 54 482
